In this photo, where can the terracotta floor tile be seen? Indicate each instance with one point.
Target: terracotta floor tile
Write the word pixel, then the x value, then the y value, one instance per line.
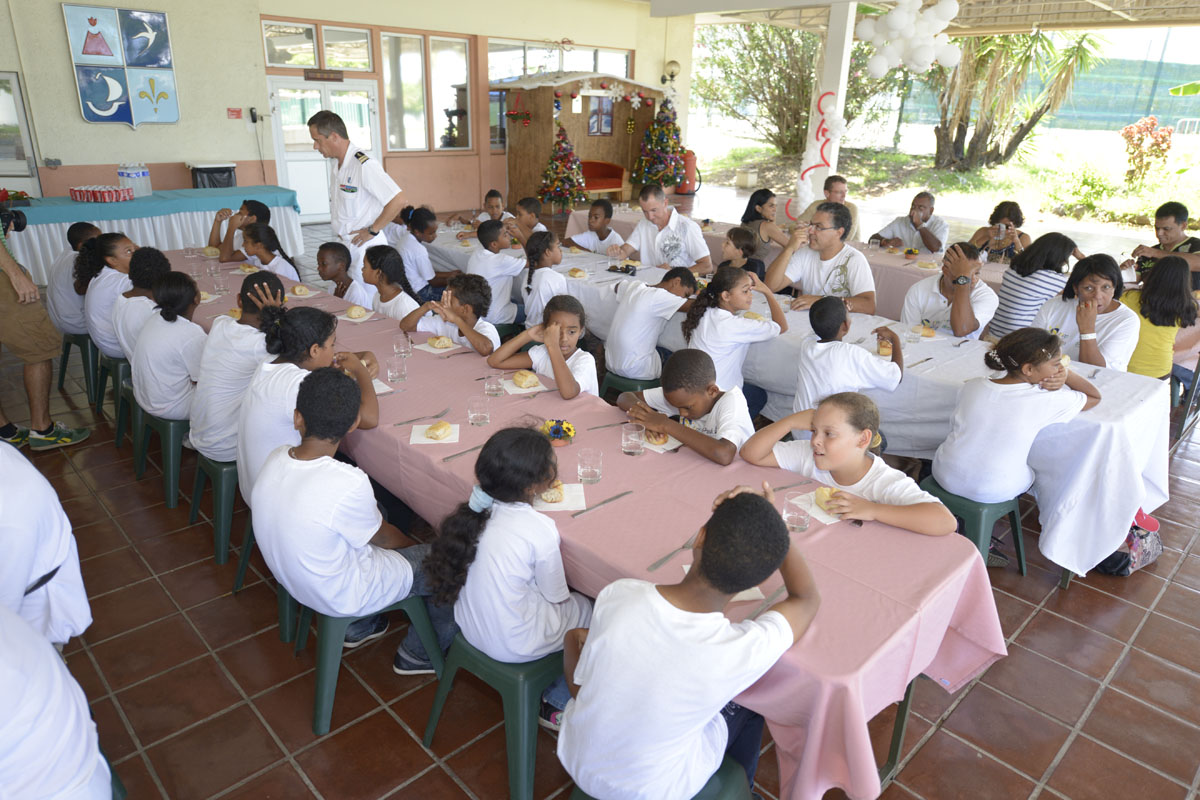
pixel 281 783
pixel 930 700
pixel 234 746
pixel 373 663
pixel 1013 612
pixel 1090 771
pixel 471 709
pixel 1007 730
pixel 1175 534
pixel 84 511
pixel 1165 564
pixel 119 473
pixel 136 776
pixel 1096 610
pixel 99 538
pixel 881 727
pixel 1070 644
pixel 1189 572
pixel 124 609
pixel 177 698
pixel 51 462
pixel 114 737
pixel 1141 588
pixel 1032 588
pixel 1181 488
pixel 1160 683
pixel 180 548
pixel 1044 684
pixel 143 522
pixel 262 661
pixel 895 791
pixel 1146 734
pixel 137 655
pixel 84 672
pixel 1181 603
pixel 767 777
pixel 69 485
pixel 288 709
pixel 948 768
pixel 433 785
pixel 200 582
pixel 365 760
pixel 484 768
pixel 112 571
pixel 132 495
pixel 1174 641
pixel 235 616
pixel 98 454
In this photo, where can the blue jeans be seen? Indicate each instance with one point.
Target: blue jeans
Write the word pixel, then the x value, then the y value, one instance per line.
pixel 756 398
pixel 430 292
pixel 557 694
pixel 1183 375
pixel 745 737
pixel 442 617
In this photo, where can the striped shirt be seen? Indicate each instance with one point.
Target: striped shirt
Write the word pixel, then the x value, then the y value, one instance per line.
pixel 1021 297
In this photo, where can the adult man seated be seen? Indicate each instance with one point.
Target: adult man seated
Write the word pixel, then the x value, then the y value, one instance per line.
pixel 665 238
pixel 230 245
pixel 835 192
pixel 1170 228
pixel 920 229
pixel 818 262
pixel 957 302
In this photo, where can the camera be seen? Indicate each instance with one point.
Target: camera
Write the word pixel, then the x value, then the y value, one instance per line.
pixel 9 216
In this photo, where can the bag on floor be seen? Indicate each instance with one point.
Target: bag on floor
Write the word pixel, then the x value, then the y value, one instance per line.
pixel 1142 547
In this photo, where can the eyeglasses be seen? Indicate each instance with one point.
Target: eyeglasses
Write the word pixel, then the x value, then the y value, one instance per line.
pixel 815 226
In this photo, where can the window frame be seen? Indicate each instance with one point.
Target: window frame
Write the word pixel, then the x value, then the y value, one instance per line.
pixel 318 47
pixel 370 48
pixel 434 133
pixel 424 92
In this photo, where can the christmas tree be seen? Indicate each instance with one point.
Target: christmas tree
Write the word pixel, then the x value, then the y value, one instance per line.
pixel 661 161
pixel 562 180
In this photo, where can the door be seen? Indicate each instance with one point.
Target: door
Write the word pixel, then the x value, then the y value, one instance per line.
pixel 17 163
pixel 300 167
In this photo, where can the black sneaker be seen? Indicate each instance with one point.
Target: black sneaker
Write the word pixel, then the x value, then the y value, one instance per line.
pixel 995 558
pixel 18 439
pixel 549 717
pixel 365 630
pixel 405 663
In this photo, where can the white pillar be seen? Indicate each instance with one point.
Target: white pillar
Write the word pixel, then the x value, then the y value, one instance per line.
pixel 829 98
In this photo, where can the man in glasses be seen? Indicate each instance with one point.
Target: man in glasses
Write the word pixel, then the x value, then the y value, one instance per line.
pixel 818 263
pixel 835 189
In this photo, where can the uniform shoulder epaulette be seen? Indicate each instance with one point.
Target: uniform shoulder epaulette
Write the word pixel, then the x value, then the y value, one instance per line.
pixel 362 157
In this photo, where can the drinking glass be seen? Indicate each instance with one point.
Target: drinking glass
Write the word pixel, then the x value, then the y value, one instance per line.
pixel 477 411
pixel 632 439
pixel 397 369
pixel 218 283
pixel 872 244
pixel 591 461
pixel 797 507
pixel 214 267
pixel 493 385
pixel 912 337
pixel 402 346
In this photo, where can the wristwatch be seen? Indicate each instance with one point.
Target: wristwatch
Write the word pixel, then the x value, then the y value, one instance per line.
pixel 961 280
pixel 371 231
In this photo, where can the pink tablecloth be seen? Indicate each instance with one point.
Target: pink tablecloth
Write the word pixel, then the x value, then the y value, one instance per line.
pixel 895 604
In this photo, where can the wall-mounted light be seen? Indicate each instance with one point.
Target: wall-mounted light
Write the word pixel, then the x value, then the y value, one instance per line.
pixel 672 70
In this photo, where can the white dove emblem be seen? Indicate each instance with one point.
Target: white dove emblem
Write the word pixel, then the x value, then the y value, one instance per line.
pixel 149 35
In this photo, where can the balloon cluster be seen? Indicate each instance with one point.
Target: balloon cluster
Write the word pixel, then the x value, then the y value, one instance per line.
pixel 907 35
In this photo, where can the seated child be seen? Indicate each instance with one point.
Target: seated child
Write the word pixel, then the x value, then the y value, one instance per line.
pixel 320 531
pixel 845 427
pixel 101 275
pixel 230 245
pixel 737 250
pixel 263 249
pixel 827 365
pixel 333 264
pixel 542 281
pixel 421 227
pixel 383 268
pixel 598 237
pixel 63 303
pixel 458 315
pixel 711 422
pixel 498 268
pixel 493 208
pixel 131 309
pixel 558 356
pixel 166 358
pixel 667 657
pixel 955 301
pixel 526 221
pixel 641 317
pixel 232 353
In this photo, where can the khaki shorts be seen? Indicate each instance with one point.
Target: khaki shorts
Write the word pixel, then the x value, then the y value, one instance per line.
pixel 25 328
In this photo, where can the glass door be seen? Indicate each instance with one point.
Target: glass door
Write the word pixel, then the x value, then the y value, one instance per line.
pixel 17 164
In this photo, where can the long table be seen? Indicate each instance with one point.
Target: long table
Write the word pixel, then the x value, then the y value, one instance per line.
pixel 895 604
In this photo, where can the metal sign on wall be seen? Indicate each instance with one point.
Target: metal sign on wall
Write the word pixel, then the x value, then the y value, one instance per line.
pixel 124 69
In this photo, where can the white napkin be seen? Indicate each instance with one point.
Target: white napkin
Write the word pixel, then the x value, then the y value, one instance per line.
pixel 370 315
pixel 672 444
pixel 212 298
pixel 291 295
pixel 436 351
pixel 418 435
pixel 573 500
pixel 753 593
pixel 512 388
pixel 381 387
pixel 818 513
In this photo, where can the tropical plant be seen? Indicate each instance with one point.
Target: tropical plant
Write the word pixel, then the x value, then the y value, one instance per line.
pixel 1146 146
pixel 1186 90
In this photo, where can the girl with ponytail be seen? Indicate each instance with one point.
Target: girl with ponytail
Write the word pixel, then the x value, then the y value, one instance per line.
pixel 262 248
pixel 102 275
pixel 384 269
pixel 166 358
pixel 420 229
pixel 543 253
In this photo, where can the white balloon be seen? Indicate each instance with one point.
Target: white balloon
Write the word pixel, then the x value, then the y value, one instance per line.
pixel 936 23
pixel 947 9
pixel 898 19
pixel 922 54
pixel 865 29
pixel 877 65
pixel 882 36
pixel 922 27
pixel 892 49
pixel 949 56
pixel 894 58
pixel 941 40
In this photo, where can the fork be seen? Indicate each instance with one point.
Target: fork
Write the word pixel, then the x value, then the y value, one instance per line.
pixel 685 546
pixel 961 342
pixel 460 353
pixel 443 413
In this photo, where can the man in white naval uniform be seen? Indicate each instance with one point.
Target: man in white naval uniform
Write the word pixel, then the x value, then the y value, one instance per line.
pixel 363 198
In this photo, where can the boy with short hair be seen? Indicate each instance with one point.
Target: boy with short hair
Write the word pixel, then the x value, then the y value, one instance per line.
pixel 667 657
pixel 333 264
pixel 737 250
pixel 598 237
pixel 458 315
pixel 498 268
pixel 642 313
pixel 493 208
pixel 827 365
pixel 320 531
pixel 63 303
pixel 230 245
pixel 526 222
pixel 711 422
pixel 131 309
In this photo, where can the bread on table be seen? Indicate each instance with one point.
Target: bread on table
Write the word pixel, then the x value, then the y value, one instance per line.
pixel 440 342
pixel 205 297
pixel 438 430
pixel 655 438
pixel 576 272
pixel 300 290
pixel 575 250
pixel 1066 360
pixel 928 332
pixel 753 315
pixel 356 312
pixel 525 379
pixel 885 347
pixel 555 493
pixel 631 262
pixel 248 268
pixel 212 252
pixel 823 495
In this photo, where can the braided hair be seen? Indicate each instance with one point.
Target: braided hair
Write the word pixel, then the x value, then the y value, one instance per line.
pixel 93 257
pixel 1023 346
pixel 536 248
pixel 724 280
pixel 265 235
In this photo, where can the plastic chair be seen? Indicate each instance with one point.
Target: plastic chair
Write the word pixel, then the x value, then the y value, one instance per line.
pixel 244 558
pixel 508 330
pixel 978 518
pixel 118 788
pixel 621 384
pixel 729 782
pixel 331 632
pixel 119 369
pixel 171 433
pixel 90 356
pixel 520 687
pixel 224 480
pixel 129 409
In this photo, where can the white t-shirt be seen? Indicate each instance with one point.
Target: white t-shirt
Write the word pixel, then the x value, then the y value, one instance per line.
pixel 546 284
pixel 728 419
pixel 166 366
pixel 679 244
pixel 881 484
pixel 653 679
pixel 359 294
pixel 102 292
pixel 281 267
pixel 581 364
pixel 395 232
pixel 985 456
pixel 726 337
pixel 129 315
pixel 62 304
pixel 826 368
pixel 845 275
pixel 314 521
pixel 358 191
pixel 901 228
pixel 397 308
pixel 485 216
pixel 417 266
pixel 515 605
pixel 588 240
pixel 925 301
pixel 432 323
pixel 266 419
pixel 1116 332
pixel 642 314
pixel 498 269
pixel 48 742
pixel 232 353
pixel 537 226
pixel 35 537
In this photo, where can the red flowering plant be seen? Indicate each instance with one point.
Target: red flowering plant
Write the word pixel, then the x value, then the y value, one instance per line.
pixel 1146 146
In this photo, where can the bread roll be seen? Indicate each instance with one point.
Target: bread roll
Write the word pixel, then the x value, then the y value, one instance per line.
pixel 440 342
pixel 554 494
pixel 1066 360
pixel 655 438
pixel 928 332
pixel 300 290
pixel 885 348
pixel 753 315
pixel 236 313
pixel 823 495
pixel 438 430
pixel 576 272
pixel 212 252
pixel 524 379
pixel 248 268
pixel 205 297
pixel 575 250
pixel 356 312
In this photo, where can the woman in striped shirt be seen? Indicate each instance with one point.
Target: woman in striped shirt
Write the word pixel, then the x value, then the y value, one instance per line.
pixel 1036 274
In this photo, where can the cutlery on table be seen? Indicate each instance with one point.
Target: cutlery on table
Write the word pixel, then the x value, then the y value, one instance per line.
pixel 789 486
pixel 961 342
pixel 463 453
pixel 770 601
pixel 609 425
pixel 603 502
pixel 459 353
pixel 918 363
pixel 443 413
pixel 685 546
pixel 1095 372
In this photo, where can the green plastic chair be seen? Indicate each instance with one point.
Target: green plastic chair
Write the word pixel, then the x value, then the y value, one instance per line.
pixel 288 614
pixel 244 558
pixel 508 330
pixel 91 359
pixel 729 782
pixel 118 788
pixel 224 480
pixel 614 381
pixel 171 433
pixel 129 412
pixel 118 368
pixel 978 518
pixel 331 632
pixel 520 687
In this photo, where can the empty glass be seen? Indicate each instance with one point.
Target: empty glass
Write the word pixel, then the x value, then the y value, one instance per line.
pixel 397 369
pixel 493 385
pixel 632 439
pixel 477 411
pixel 218 283
pixel 912 337
pixel 402 346
pixel 797 507
pixel 591 461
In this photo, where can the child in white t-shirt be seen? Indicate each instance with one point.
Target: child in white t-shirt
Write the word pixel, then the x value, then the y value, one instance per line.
pixel 498 268
pixel 493 208
pixel 643 312
pixel 827 365
pixel 458 315
pixel 526 223
pixel 132 308
pixel 712 422
pixel 231 243
pixel 166 359
pixel 598 237
pixel 845 427
pixel 102 274
pixel 653 679
pixel 333 264
pixel 320 531
pixel 63 303
pixel 558 354
pixel 542 281
pixel 420 228
pixel 383 268
pixel 262 247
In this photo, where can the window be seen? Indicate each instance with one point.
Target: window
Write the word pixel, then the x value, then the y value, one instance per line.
pixel 354 107
pixel 404 91
pixel 449 69
pixel 15 147
pixel 510 59
pixel 496 119
pixel 613 62
pixel 580 59
pixel 505 60
pixel 296 107
pixel 347 49
pixel 290 44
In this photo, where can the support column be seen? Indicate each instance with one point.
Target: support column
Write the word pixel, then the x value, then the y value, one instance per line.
pixel 829 99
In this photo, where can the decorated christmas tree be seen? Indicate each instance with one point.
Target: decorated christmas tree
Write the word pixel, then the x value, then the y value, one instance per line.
pixel 661 161
pixel 562 180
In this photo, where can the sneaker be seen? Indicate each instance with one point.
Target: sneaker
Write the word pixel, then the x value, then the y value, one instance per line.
pixel 18 439
pixel 59 436
pixel 995 558
pixel 405 663
pixel 365 630
pixel 549 717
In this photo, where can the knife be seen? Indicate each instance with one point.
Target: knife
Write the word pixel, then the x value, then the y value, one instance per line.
pixel 602 502
pixel 463 453
pixel 775 595
pixel 918 363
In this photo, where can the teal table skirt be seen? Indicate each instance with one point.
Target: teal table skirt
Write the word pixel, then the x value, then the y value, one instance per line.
pixel 47 210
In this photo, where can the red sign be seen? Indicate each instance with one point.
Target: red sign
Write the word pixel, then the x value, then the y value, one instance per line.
pixel 233 113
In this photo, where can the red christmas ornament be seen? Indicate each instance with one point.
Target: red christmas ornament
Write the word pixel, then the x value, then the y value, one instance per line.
pixel 557 94
pixel 626 98
pixel 642 95
pixel 603 85
pixel 525 123
pixel 574 95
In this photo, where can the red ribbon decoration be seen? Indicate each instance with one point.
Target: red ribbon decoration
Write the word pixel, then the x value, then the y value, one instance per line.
pixel 821 135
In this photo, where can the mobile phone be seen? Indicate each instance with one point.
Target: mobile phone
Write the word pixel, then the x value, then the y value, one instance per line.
pixel 1001 228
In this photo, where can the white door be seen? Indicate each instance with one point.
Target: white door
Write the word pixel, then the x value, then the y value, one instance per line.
pixel 17 162
pixel 300 167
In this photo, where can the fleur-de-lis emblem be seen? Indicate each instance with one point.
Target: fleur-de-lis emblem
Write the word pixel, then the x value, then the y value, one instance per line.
pixel 154 96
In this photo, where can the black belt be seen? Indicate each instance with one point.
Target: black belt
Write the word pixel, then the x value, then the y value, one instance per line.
pixel 42 581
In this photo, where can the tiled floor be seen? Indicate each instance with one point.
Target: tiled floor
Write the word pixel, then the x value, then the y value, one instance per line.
pixel 195 696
